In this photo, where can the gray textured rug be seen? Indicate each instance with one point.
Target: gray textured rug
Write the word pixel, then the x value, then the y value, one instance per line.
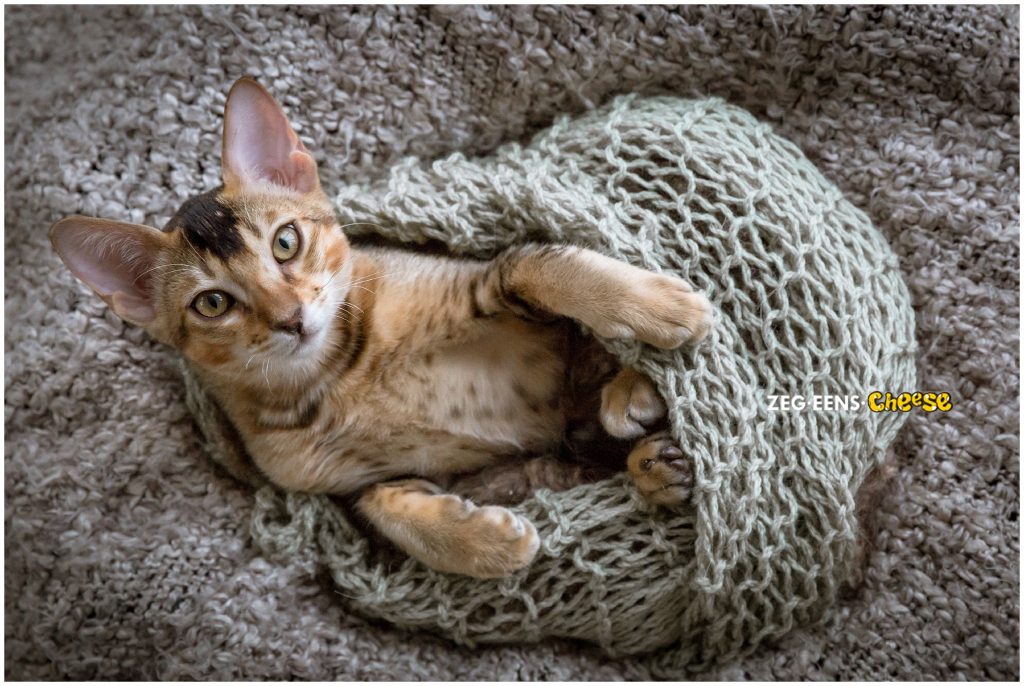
pixel 127 553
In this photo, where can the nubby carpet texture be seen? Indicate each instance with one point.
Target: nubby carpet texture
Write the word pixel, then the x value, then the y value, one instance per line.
pixel 129 555
pixel 810 302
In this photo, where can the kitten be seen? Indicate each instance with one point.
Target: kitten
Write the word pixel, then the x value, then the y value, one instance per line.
pixel 381 373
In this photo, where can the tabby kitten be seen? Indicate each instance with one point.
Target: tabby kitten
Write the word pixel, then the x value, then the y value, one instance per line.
pixel 380 373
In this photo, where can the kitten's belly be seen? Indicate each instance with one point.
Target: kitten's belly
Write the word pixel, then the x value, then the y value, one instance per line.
pixel 504 389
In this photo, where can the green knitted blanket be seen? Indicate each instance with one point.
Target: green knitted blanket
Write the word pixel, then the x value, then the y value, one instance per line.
pixel 809 303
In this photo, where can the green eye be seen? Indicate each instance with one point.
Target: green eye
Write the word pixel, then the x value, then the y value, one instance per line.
pixel 286 243
pixel 212 303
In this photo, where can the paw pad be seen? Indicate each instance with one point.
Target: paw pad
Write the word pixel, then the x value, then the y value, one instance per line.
pixel 661 471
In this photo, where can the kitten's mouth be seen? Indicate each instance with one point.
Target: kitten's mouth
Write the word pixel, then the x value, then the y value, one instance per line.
pixel 305 340
pixel 302 341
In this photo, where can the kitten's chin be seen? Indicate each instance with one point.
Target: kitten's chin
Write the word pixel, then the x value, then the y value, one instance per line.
pixel 290 365
pixel 284 372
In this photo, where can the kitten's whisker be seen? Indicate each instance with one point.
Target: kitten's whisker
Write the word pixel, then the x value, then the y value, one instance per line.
pixel 177 270
pixel 162 266
pixel 357 284
pixel 376 226
pixel 372 277
pixel 165 266
pixel 192 248
pixel 328 282
pixel 174 273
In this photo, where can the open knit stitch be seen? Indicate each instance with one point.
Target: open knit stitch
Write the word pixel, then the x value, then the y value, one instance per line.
pixel 809 302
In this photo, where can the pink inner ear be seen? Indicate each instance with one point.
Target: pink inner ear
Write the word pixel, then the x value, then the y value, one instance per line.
pixel 101 272
pixel 133 308
pixel 303 176
pixel 112 258
pixel 260 145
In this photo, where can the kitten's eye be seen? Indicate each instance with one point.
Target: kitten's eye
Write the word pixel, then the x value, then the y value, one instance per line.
pixel 212 303
pixel 286 243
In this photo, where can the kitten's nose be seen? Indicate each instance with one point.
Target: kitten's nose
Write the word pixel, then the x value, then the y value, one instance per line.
pixel 293 324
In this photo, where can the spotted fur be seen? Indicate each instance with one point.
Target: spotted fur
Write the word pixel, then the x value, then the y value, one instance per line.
pixel 382 373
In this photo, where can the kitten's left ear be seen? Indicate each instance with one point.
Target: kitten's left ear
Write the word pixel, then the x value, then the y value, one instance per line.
pixel 259 144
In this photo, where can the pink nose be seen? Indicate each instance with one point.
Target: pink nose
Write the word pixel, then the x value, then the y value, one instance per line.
pixel 291 325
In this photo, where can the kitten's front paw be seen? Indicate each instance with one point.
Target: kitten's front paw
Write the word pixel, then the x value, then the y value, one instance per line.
pixel 661 310
pixel 660 470
pixel 673 313
pixel 629 404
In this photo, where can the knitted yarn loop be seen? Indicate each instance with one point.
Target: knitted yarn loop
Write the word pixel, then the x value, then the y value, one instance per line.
pixel 809 303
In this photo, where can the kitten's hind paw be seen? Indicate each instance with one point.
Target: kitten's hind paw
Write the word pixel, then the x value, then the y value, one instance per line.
pixel 495 542
pixel 629 404
pixel 662 474
pixel 449 533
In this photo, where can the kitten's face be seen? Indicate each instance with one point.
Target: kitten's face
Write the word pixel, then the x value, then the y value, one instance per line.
pixel 252 282
pixel 246 280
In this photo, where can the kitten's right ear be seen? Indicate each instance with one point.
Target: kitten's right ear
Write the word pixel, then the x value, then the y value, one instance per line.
pixel 113 258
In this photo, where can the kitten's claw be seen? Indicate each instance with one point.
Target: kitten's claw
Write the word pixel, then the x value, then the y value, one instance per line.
pixel 629 404
pixel 662 474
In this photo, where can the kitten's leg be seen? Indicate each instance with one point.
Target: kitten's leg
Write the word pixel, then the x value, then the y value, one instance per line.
pixel 448 533
pixel 660 470
pixel 630 404
pixel 615 299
